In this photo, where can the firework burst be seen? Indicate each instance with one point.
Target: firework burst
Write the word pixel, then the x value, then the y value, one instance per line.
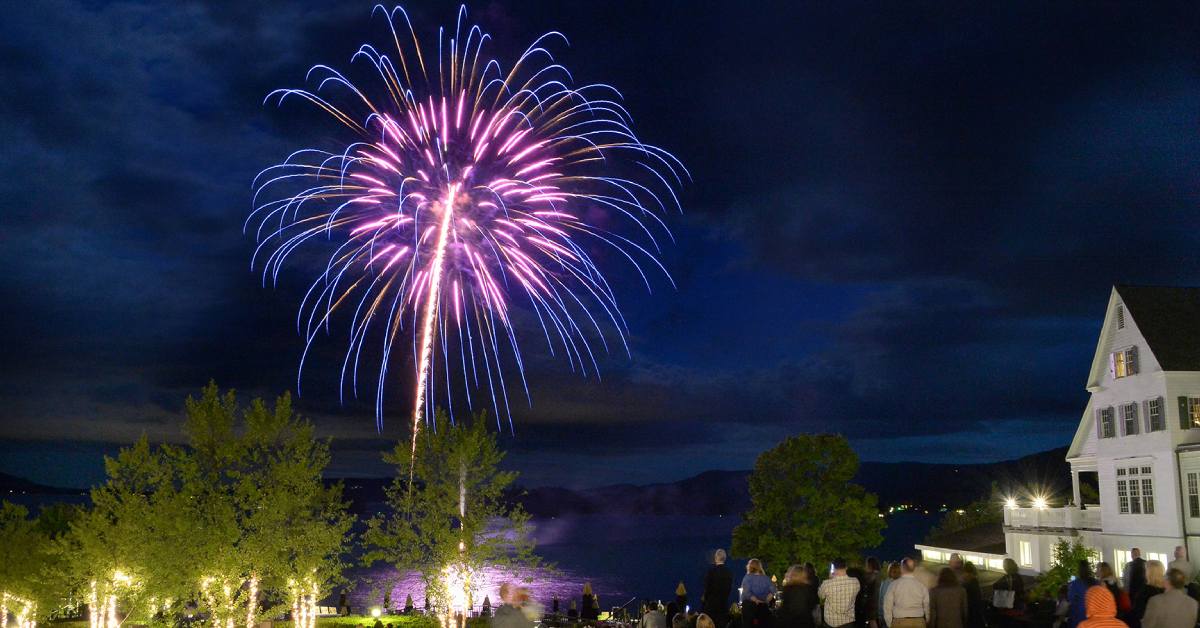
pixel 467 190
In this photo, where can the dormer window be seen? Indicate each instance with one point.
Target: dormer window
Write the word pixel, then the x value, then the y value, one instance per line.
pixel 1123 363
pixel 1120 316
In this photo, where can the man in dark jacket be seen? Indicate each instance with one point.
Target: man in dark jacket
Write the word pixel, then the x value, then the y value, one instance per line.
pixel 718 583
pixel 1135 573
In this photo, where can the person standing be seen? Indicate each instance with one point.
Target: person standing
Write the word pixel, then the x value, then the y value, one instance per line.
pixel 1077 593
pixel 837 595
pixel 956 565
pixel 1134 573
pixel 589 605
pixel 797 600
pixel 1173 608
pixel 948 602
pixel 508 614
pixel 1182 563
pixel 892 574
pixel 1107 577
pixel 906 604
pixel 870 593
pixel 1155 584
pixel 757 592
pixel 970 584
pixel 1101 609
pixel 718 583
pixel 654 617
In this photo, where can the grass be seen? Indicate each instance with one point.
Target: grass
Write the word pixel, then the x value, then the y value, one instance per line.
pixel 351 621
pixel 366 621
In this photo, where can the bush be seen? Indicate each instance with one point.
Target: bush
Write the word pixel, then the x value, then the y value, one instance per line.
pixel 1065 564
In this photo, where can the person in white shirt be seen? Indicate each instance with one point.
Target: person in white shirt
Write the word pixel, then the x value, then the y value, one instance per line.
pixel 1181 563
pixel 906 604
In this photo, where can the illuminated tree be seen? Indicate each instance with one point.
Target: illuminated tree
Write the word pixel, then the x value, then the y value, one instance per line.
pixel 238 518
pixel 804 506
pixel 454 519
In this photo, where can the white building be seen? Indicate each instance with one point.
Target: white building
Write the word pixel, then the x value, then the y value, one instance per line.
pixel 1138 440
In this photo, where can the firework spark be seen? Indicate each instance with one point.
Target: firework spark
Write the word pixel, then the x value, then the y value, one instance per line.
pixel 466 190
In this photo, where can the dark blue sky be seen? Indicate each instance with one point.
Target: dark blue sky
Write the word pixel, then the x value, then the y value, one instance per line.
pixel 904 225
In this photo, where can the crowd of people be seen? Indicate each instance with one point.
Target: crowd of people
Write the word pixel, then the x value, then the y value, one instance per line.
pixel 1147 595
pixel 906 594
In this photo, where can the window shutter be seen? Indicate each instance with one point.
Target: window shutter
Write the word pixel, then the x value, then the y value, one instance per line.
pixel 1132 360
pixel 1099 423
pixel 1146 416
pixel 1121 420
pixel 1162 409
pixel 1112 365
pixel 1185 423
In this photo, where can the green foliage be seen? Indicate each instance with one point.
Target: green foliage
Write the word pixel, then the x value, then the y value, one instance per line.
pixel 804 506
pixel 244 502
pixel 979 512
pixel 454 513
pixel 31 567
pixel 1063 565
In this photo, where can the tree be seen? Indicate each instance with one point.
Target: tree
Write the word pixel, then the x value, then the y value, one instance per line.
pixel 237 522
pixel 979 512
pixel 804 506
pixel 453 519
pixel 1064 564
pixel 31 569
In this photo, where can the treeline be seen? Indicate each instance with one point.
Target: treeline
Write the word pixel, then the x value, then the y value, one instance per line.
pixel 236 525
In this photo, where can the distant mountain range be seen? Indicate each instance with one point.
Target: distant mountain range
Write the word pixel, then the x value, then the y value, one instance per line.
pixel 915 484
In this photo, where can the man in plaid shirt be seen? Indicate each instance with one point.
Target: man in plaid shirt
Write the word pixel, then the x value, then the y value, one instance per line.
pixel 837 596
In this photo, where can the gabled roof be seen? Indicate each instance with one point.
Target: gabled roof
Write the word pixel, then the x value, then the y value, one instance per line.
pixel 1169 319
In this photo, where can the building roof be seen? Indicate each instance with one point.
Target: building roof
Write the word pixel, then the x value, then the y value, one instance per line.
pixel 986 538
pixel 1169 320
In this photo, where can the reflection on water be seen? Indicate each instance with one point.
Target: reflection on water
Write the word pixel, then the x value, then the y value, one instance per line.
pixel 624 557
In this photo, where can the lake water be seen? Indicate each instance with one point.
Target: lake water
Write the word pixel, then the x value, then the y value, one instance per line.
pixel 625 557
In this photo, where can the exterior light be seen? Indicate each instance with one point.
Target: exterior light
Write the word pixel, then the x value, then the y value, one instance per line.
pixel 376 611
pixel 1039 503
pixel 1010 503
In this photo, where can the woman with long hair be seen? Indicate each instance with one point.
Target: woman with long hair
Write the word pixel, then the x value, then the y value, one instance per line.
pixel 1156 583
pixel 947 602
pixel 757 592
pixel 798 600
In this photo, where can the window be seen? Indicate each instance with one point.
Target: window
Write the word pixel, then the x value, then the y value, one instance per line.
pixel 1155 421
pixel 1135 491
pixel 1162 558
pixel 1122 493
pixel 1026 549
pixel 1193 495
pixel 1123 363
pixel 1104 422
pixel 1120 316
pixel 1120 557
pixel 1189 412
pixel 1129 419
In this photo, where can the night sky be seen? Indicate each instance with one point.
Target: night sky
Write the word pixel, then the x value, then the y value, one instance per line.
pixel 904 225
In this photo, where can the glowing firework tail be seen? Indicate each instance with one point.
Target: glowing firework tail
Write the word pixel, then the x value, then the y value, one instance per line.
pixel 466 189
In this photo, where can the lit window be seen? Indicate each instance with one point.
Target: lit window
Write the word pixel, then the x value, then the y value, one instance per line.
pixel 1120 557
pixel 1135 491
pixel 1026 554
pixel 1124 362
pixel 1154 415
pixel 1189 412
pixel 1129 419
